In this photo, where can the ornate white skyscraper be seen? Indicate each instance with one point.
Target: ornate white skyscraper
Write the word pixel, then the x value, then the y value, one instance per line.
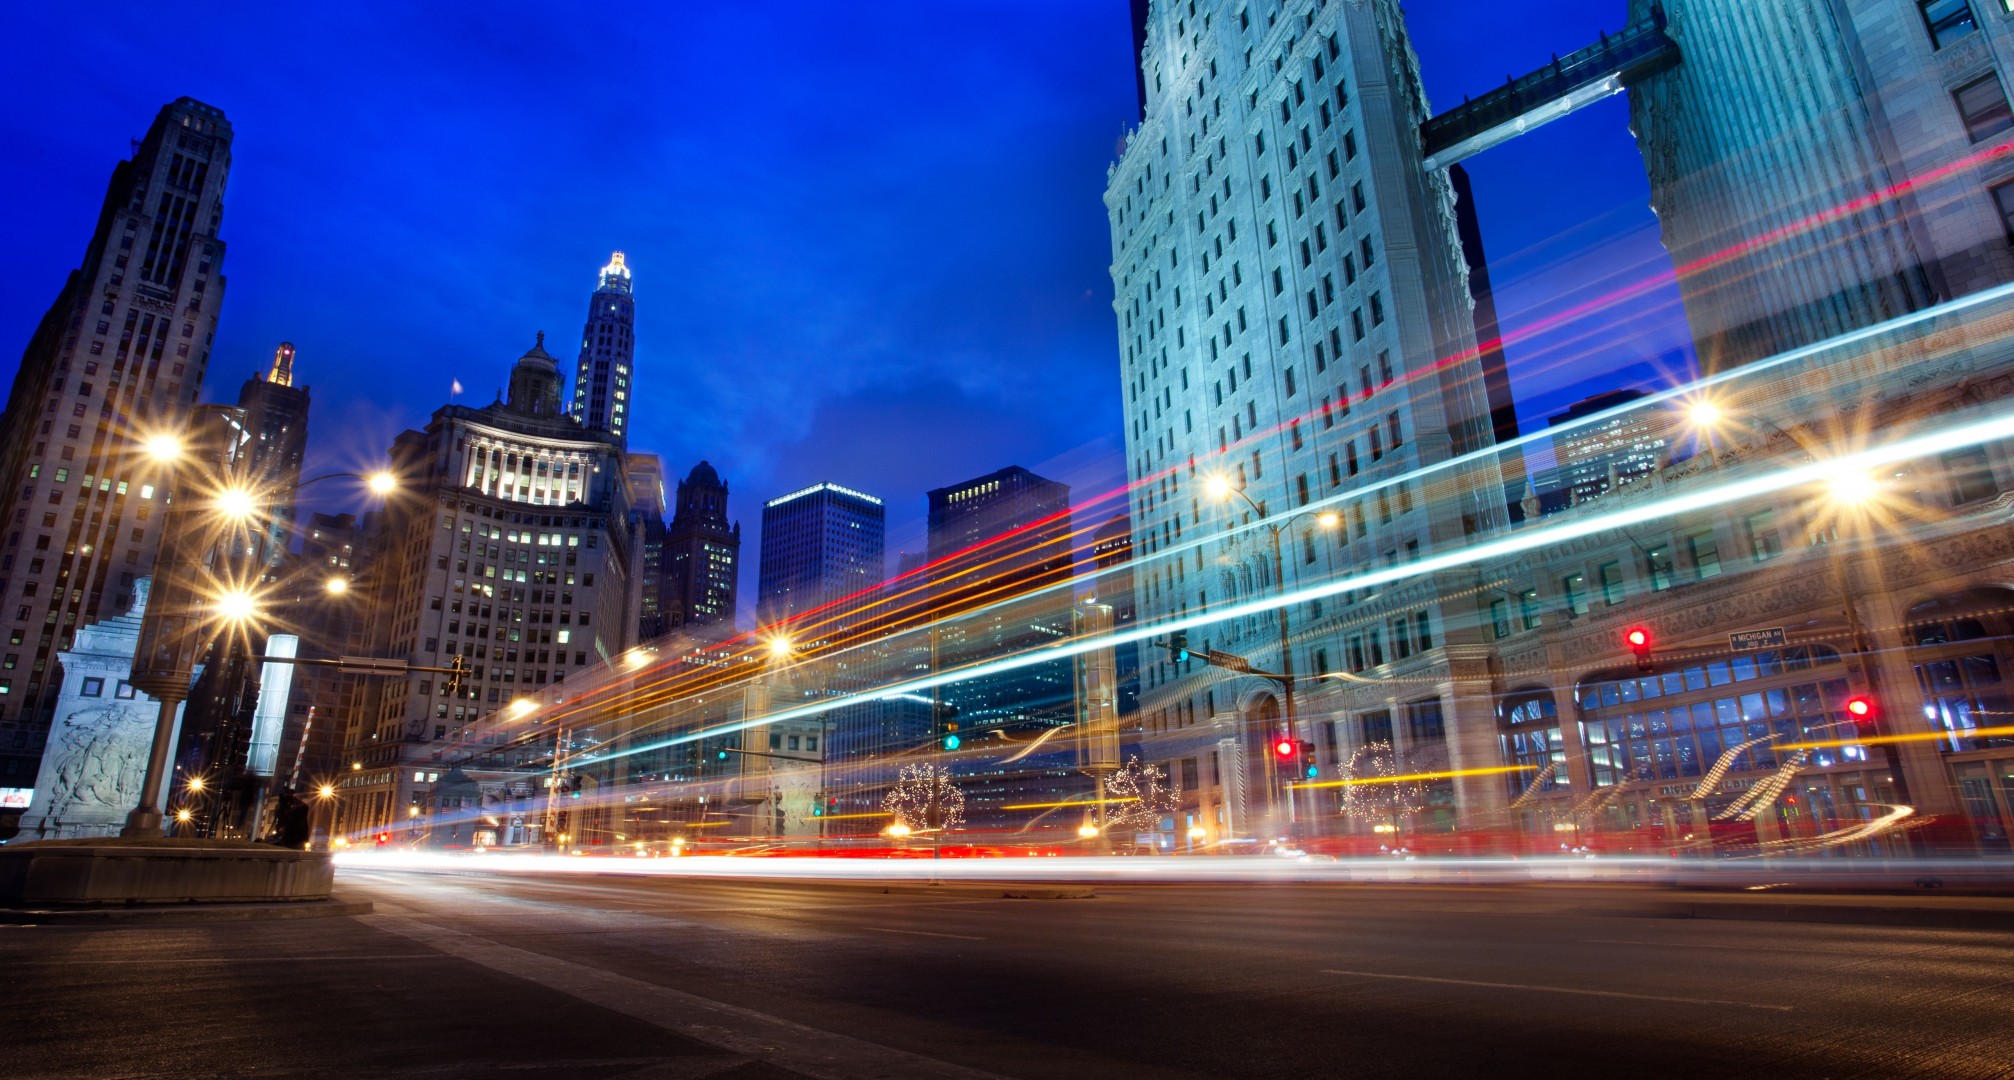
pixel 607 345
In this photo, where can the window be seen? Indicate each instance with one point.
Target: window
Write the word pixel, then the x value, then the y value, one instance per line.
pixel 1528 610
pixel 1611 583
pixel 1658 561
pixel 93 687
pixel 1425 721
pixel 1970 474
pixel 1500 618
pixel 1763 542
pixel 1705 554
pixel 1947 20
pixel 1983 105
pixel 2003 197
pixel 1574 587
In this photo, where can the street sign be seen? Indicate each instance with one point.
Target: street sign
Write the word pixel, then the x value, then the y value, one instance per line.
pixel 1229 661
pixel 1750 640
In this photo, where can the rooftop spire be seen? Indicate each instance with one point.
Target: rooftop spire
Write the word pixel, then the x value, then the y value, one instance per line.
pixel 283 365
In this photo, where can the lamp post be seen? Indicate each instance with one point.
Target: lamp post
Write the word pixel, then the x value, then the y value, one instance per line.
pixel 1849 492
pixel 1221 488
pixel 203 533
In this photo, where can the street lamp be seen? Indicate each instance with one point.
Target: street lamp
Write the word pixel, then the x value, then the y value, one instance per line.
pixel 1220 487
pixel 780 647
pixel 337 586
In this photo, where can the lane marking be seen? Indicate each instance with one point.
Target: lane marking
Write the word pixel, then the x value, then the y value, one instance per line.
pixel 921 933
pixel 787 1044
pixel 228 959
pixel 1556 989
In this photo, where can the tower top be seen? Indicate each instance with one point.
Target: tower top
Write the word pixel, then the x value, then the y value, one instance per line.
pixel 283 365
pixel 616 272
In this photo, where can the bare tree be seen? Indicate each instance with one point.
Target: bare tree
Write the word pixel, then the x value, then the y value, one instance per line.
pixel 1137 797
pixel 1381 787
pixel 925 798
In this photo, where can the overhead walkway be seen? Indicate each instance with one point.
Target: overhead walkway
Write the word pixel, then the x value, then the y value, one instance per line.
pixel 1567 84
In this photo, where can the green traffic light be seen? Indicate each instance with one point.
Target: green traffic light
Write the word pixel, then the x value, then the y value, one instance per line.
pixel 951 742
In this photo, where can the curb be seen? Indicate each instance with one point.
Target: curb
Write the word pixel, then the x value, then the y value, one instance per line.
pixel 182 914
pixel 1952 918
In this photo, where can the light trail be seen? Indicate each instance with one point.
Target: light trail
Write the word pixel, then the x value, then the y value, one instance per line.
pixel 1920 736
pixel 1443 774
pixel 1954 437
pixel 1069 802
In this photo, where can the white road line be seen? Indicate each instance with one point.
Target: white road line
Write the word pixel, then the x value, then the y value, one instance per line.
pixel 921 933
pixel 1556 989
pixel 784 1043
pixel 317 957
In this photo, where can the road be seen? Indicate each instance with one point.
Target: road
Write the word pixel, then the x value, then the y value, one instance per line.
pixel 476 975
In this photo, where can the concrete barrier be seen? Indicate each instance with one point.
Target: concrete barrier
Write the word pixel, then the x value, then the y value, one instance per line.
pixel 116 871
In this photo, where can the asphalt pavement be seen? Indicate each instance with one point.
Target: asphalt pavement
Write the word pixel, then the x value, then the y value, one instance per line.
pixel 505 975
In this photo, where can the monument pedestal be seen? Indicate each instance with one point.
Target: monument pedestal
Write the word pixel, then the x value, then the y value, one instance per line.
pixel 117 871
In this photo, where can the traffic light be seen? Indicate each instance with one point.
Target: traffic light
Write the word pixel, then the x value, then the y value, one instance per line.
pixel 1638 640
pixel 720 754
pixel 1308 766
pixel 1285 747
pixel 1178 646
pixel 951 739
pixel 1860 708
pixel 384 838
pixel 456 669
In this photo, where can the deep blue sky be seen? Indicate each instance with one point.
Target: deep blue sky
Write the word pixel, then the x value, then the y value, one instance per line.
pixel 868 239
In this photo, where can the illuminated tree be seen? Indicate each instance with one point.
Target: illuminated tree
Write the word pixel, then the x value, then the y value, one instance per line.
pixel 925 798
pixel 1137 797
pixel 1374 791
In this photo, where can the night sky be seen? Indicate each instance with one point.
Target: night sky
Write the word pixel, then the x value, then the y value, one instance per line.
pixel 869 241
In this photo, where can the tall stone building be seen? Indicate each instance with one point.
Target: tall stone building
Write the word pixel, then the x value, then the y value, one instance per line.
pixel 119 356
pixel 510 546
pixel 1593 457
pixel 1817 168
pixel 601 385
pixel 702 555
pixel 1295 322
pixel 276 423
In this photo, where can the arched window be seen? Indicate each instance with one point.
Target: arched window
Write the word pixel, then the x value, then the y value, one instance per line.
pixel 1528 724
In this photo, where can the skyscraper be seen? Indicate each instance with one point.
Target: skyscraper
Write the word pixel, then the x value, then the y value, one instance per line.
pixel 276 422
pixel 1295 321
pixel 1590 459
pixel 510 546
pixel 1844 175
pixel 119 355
pixel 601 385
pixel 819 545
pixel 646 505
pixel 999 544
pixel 702 553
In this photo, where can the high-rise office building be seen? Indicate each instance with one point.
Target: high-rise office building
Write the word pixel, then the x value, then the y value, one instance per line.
pixel 820 545
pixel 702 555
pixel 1112 555
pixel 119 355
pixel 647 506
pixel 1589 459
pixel 1294 319
pixel 276 423
pixel 601 384
pixel 1843 175
pixel 509 546
pixel 1001 556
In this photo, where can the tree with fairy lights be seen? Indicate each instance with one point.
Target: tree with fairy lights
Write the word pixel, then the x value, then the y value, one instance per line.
pixel 925 798
pixel 1376 788
pixel 1137 797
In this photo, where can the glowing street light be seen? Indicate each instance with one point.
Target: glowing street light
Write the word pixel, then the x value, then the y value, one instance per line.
pixel 196 784
pixel 382 482
pixel 326 791
pixel 897 830
pixel 183 815
pixel 636 658
pixel 1704 415
pixel 1218 486
pixel 1197 832
pixel 1852 487
pixel 1087 830
pixel 237 605
pixel 522 706
pixel 163 448
pixel 780 647
pixel 236 503
pixel 337 586
pixel 1329 519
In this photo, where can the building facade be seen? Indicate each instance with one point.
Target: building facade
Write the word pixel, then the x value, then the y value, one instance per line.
pixel 820 545
pixel 276 421
pixel 1591 458
pixel 602 382
pixel 510 546
pixel 702 556
pixel 1294 323
pixel 647 506
pixel 119 356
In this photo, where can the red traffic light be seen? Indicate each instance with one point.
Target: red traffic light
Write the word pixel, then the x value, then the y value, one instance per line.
pixel 1285 747
pixel 1860 707
pixel 384 838
pixel 1638 638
